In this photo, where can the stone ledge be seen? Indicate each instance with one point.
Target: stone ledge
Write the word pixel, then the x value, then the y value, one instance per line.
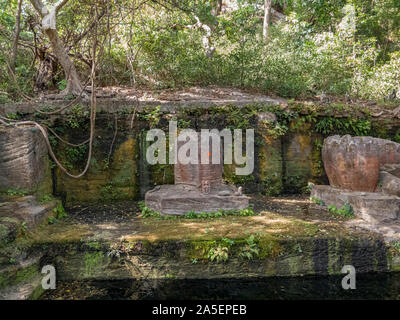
pixel 373 207
pixel 168 100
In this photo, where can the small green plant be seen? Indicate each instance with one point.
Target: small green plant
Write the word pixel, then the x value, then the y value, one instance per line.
pixel 246 212
pixel 346 210
pixel 190 215
pixel 152 116
pixel 46 198
pixel 75 155
pixel 218 254
pixel 62 84
pixel 60 212
pixel 182 123
pixel 111 193
pixel 250 249
pixel 24 227
pixel 52 220
pixel 115 251
pixel 147 212
pixel 396 245
pixel 397 137
pixel 13 116
pixel 318 201
pixel 194 261
pixel 17 192
pixel 77 117
pixel 227 242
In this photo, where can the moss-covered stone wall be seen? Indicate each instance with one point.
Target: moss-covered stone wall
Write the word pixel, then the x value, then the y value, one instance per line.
pixel 288 142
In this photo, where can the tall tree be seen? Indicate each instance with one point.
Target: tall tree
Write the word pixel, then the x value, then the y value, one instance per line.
pixel 17 31
pixel 267 17
pixel 74 85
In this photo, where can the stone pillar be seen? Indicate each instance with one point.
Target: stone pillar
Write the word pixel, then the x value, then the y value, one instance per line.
pixel 195 174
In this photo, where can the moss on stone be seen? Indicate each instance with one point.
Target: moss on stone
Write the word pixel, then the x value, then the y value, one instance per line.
pixel 15 275
pixel 199 249
pixel 93 262
pixel 116 181
pixel 3 232
pixel 269 247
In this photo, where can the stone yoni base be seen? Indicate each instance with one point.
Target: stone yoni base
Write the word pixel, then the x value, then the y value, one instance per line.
pixel 181 199
pixel 373 207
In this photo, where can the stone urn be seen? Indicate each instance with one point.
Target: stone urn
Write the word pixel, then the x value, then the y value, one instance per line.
pixel 352 163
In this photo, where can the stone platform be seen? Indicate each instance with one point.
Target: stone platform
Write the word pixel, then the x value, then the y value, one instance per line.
pixel 372 207
pixel 180 199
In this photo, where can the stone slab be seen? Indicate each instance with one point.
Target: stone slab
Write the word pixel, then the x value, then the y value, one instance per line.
pixel 28 210
pixel 373 207
pixel 180 199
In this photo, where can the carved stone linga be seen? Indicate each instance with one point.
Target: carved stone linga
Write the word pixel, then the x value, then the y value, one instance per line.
pixel 198 188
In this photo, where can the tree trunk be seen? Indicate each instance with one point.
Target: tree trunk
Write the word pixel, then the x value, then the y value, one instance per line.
pixel 219 7
pixel 74 85
pixel 17 31
pixel 267 17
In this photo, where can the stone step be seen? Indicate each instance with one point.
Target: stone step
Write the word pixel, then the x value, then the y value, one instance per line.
pixel 24 210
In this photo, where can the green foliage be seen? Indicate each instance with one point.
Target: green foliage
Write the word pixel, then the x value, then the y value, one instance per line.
pixel 331 46
pixel 331 126
pixel 62 84
pixel 346 210
pixel 52 220
pixel 317 201
pixel 152 115
pixel 110 192
pixel 24 228
pixel 78 117
pixel 60 212
pixel 46 198
pixel 250 249
pixel 17 192
pixel 396 245
pixel 147 212
pixel 397 137
pixel 218 254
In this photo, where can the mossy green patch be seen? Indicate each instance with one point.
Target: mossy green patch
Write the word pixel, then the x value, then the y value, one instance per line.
pixel 269 247
pixel 93 262
pixel 15 275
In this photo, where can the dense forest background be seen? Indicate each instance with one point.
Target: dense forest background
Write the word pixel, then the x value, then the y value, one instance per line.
pixel 294 49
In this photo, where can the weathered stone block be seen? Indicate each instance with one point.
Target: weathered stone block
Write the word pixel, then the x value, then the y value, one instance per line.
pixel 390 184
pixel 23 159
pixel 26 210
pixel 393 169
